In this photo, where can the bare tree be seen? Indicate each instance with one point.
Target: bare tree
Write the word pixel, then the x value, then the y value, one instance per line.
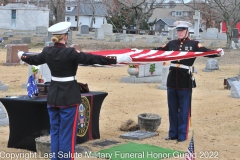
pixel 225 10
pixel 58 9
pixel 138 10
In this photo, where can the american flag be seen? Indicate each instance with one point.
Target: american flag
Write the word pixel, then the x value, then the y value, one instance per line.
pixel 190 154
pixel 149 56
pixel 146 55
pixel 32 88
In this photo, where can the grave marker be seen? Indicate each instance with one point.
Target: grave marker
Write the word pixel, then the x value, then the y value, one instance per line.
pixel 12 50
pixel 3 116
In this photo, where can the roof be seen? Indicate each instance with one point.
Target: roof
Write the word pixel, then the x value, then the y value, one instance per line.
pixel 86 9
pixel 160 13
pixel 23 6
pixel 168 21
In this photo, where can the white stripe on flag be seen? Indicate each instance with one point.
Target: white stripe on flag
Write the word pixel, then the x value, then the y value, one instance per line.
pixel 128 53
pixel 166 53
pixel 146 54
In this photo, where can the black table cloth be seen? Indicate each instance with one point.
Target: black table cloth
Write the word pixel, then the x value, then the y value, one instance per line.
pixel 29 119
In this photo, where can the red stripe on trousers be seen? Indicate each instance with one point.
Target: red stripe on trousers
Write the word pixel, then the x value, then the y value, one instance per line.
pixel 188 123
pixel 74 133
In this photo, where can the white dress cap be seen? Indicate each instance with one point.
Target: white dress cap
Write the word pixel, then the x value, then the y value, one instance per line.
pixel 182 24
pixel 59 28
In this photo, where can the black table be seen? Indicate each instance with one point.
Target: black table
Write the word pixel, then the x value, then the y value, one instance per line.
pixel 29 119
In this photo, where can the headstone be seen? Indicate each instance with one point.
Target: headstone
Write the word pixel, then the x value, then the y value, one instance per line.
pixel 233 45
pixel 170 34
pixel 124 30
pixel 12 50
pixel 230 80
pixel 211 64
pixel 235 89
pixel 137 135
pixel 84 29
pixel 99 34
pixel 5 38
pixel 235 35
pixel 16 42
pixel 196 19
pixel 26 40
pixel 8 34
pixel 213 44
pixel 3 116
pixel 3 87
pixel 144 70
pixel 211 33
pixel 165 71
pixel 45 72
pixel 107 29
pixel 41 30
pixel 69 41
pixel 126 39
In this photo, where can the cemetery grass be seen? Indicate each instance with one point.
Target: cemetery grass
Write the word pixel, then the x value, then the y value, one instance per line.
pixel 215 115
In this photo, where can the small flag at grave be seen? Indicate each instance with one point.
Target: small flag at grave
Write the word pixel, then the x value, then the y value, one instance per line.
pixel 32 88
pixel 190 154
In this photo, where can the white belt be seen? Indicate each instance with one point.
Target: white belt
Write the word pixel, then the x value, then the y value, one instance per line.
pixel 180 66
pixel 63 79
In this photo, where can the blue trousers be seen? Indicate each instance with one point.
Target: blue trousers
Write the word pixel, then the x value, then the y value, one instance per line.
pixel 179 112
pixel 63 131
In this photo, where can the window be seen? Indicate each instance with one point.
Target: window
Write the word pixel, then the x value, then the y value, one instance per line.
pixel 178 13
pixel 14 14
pixel 68 19
pixel 76 17
pixel 68 8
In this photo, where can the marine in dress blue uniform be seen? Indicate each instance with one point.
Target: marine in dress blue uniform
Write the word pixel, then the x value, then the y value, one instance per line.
pixel 180 82
pixel 64 95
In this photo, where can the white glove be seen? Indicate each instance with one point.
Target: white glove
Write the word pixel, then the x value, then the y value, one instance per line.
pixel 20 53
pixel 220 53
pixel 124 58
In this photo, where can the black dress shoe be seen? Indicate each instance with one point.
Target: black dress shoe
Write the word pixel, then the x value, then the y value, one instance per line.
pixel 181 140
pixel 170 138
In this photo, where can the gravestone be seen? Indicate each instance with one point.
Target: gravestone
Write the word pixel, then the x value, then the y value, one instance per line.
pixel 124 30
pixel 99 34
pixel 45 72
pixel 235 89
pixel 16 42
pixel 171 34
pixel 69 41
pixel 84 29
pixel 196 19
pixel 235 35
pixel 211 33
pixel 230 81
pixel 146 74
pixel 107 29
pixel 3 87
pixel 12 50
pixel 26 40
pixel 3 116
pixel 8 34
pixel 213 44
pixel 41 30
pixel 233 45
pixel 138 135
pixel 211 64
pixel 165 71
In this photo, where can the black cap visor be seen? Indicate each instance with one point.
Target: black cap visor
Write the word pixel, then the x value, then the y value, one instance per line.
pixel 181 28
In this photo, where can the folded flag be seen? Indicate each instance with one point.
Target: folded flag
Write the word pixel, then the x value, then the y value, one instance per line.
pixel 32 88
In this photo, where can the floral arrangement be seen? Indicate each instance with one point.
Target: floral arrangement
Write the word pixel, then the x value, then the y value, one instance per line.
pixel 35 69
pixel 133 65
